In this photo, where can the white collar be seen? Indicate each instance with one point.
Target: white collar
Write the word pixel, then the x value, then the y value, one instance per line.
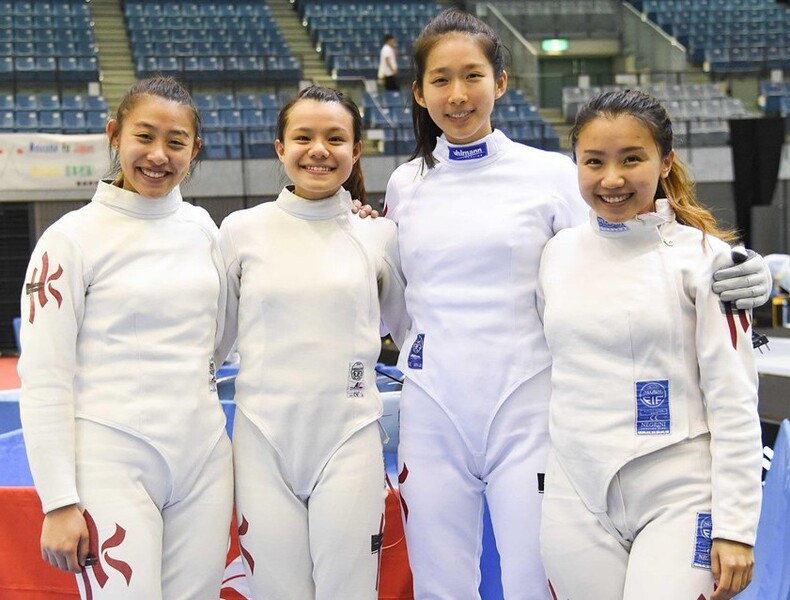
pixel 136 205
pixel 314 210
pixel 637 226
pixel 470 156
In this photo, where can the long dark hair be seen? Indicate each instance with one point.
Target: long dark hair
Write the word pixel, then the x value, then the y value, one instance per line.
pixel 355 184
pixel 448 21
pixel 678 186
pixel 163 87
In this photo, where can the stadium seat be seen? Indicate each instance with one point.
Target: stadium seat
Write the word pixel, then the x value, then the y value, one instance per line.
pixel 48 101
pixel 26 120
pixel 74 121
pixel 6 120
pixel 26 101
pixel 49 121
pixel 96 121
pixel 71 101
pixel 214 145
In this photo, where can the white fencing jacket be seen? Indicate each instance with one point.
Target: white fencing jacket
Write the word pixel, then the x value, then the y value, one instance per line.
pixel 645 356
pixel 471 232
pixel 308 283
pixel 122 305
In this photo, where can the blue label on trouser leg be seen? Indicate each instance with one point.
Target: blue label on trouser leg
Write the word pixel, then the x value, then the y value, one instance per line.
pixel 702 541
pixel 415 354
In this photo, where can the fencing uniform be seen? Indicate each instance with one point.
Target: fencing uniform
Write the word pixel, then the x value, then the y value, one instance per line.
pixel 653 420
pixel 305 280
pixel 120 313
pixel 471 231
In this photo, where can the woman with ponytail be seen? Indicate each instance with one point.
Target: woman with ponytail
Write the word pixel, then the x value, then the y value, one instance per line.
pixel 655 437
pixel 307 286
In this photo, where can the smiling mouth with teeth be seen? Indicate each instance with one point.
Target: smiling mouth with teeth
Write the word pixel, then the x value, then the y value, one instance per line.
pixel 615 199
pixel 153 174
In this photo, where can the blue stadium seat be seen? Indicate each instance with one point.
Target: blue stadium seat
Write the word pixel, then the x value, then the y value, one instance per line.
pixel 96 121
pixel 268 100
pixel 6 101
pixel 214 145
pixel 225 101
pixel 260 144
pixel 204 101
pixel 26 120
pixel 25 68
pixel 6 68
pixel 71 101
pixel 233 144
pixel 231 119
pixel 247 100
pixel 96 102
pixel 6 120
pixel 74 121
pixel 25 101
pixel 210 120
pixel 46 67
pixel 252 118
pixel 50 121
pixel 73 69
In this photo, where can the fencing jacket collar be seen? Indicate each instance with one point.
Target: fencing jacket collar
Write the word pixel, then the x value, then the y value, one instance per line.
pixel 473 155
pixel 314 210
pixel 637 226
pixel 135 205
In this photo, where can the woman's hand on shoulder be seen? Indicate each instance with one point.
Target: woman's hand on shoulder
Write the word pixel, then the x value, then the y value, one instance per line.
pixel 747 283
pixel 732 565
pixel 64 538
pixel 363 210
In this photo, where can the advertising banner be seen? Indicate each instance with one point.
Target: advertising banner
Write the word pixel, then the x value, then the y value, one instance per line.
pixel 49 161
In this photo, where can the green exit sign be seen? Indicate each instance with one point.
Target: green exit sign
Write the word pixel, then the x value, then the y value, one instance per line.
pixel 554 45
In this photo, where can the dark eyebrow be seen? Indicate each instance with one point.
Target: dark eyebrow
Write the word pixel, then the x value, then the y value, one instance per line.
pixel 621 151
pixel 310 130
pixel 146 125
pixel 468 67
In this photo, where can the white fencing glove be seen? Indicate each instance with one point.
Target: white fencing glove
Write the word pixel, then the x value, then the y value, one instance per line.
pixel 748 283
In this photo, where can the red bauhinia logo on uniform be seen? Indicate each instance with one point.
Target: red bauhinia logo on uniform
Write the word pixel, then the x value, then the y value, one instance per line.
pixel 39 284
pixel 98 556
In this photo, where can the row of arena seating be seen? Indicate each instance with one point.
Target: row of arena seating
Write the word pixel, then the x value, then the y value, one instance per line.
pixel 313 8
pixel 52 121
pixel 563 18
pixel 218 43
pixel 65 69
pixel 52 113
pixel 228 69
pixel 683 100
pixel 700 112
pixel 349 35
pixel 54 49
pixel 726 36
pixel 47 42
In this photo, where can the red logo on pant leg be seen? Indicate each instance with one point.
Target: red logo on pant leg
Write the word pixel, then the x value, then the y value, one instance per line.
pixel 36 290
pixel 551 589
pixel 401 478
pixel 243 528
pixel 96 554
